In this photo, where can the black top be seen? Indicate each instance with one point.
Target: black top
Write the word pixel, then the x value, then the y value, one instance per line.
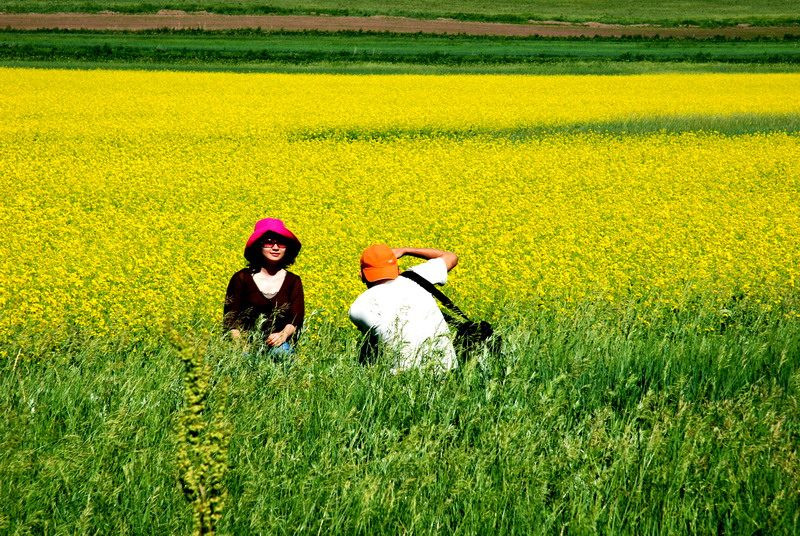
pixel 244 304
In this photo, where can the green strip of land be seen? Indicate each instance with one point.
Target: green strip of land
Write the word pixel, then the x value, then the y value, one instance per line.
pixel 666 13
pixel 734 124
pixel 250 47
pixel 367 68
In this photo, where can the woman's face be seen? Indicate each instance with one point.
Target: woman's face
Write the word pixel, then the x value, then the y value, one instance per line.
pixel 273 249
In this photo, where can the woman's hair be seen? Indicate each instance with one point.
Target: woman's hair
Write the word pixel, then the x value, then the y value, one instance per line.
pixel 255 258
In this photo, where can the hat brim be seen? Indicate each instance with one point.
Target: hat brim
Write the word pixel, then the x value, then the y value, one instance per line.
pixel 377 273
pixel 288 237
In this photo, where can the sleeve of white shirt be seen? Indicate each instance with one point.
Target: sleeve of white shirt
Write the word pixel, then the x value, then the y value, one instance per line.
pixel 434 270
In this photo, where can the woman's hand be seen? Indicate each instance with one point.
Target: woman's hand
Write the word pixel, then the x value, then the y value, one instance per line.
pixel 276 339
pixel 238 339
pixel 280 337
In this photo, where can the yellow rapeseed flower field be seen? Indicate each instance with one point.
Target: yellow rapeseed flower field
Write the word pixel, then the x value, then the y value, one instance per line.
pixel 127 196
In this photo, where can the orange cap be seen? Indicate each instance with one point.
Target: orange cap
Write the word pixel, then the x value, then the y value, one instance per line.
pixel 379 262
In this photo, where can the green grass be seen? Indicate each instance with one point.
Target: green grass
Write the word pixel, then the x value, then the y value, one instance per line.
pixel 367 68
pixel 730 125
pixel 587 422
pixel 669 13
pixel 237 48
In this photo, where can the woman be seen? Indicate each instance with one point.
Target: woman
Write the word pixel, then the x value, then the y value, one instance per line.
pixel 265 297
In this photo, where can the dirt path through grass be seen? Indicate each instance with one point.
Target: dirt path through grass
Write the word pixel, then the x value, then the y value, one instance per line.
pixel 212 21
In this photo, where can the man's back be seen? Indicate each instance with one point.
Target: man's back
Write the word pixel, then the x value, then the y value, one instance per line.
pixel 407 319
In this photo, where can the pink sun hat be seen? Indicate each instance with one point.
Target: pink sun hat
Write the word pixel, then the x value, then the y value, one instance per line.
pixel 271 225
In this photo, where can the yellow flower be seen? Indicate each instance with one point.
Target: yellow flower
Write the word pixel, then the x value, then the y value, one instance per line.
pixel 127 196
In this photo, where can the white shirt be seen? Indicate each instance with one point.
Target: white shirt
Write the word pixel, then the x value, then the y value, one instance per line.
pixel 406 318
pixel 269 285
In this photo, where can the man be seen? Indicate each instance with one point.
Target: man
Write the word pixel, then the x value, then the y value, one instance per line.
pixel 399 313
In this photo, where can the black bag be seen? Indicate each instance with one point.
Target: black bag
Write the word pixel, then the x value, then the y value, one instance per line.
pixel 469 335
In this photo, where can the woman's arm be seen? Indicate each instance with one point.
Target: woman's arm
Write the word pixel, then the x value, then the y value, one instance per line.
pixel 232 309
pixel 297 305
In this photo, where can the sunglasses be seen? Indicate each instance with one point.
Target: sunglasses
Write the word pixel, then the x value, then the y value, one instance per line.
pixel 272 242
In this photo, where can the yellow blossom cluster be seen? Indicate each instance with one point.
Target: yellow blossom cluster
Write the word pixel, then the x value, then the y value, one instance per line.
pixel 127 196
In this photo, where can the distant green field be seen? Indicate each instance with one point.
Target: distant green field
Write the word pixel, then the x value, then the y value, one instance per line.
pixel 234 48
pixel 672 12
pixel 369 68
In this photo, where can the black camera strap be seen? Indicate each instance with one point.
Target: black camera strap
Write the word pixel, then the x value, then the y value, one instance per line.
pixel 468 335
pixel 438 294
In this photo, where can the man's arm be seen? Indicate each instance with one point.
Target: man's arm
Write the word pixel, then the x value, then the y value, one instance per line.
pixel 450 259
